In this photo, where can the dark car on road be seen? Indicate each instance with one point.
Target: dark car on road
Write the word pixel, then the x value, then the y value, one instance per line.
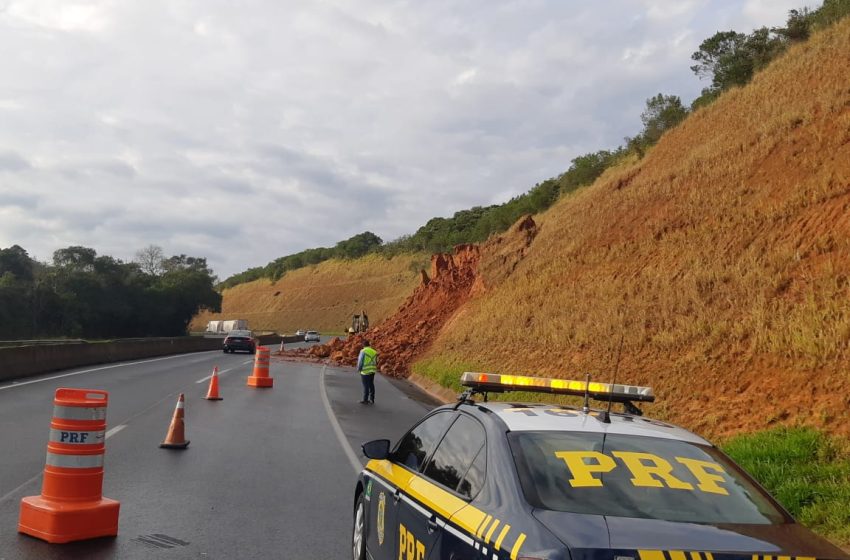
pixel 240 340
pixel 502 480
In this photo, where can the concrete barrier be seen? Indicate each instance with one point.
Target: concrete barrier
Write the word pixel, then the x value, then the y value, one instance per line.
pixel 23 361
pixel 34 359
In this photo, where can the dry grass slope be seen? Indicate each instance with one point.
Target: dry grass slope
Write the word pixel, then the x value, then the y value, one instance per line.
pixel 723 257
pixel 323 296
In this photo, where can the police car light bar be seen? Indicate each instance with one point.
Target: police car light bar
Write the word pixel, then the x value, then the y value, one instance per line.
pixel 495 383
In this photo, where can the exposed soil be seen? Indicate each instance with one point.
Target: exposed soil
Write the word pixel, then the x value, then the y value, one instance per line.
pixel 454 278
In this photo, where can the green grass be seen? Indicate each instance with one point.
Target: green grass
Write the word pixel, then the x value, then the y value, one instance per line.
pixel 807 471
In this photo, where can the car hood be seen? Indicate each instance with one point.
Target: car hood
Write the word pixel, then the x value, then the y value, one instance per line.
pixel 641 538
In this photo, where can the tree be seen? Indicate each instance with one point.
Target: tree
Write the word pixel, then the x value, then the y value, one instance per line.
pixel 17 262
pixel 798 26
pixel 358 245
pixel 75 258
pixel 721 57
pixel 186 286
pixel 150 260
pixel 662 113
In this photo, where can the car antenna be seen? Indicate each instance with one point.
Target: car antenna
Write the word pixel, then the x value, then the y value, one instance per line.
pixel 606 417
pixel 586 407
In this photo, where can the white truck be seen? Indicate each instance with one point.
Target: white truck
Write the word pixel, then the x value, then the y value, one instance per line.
pixel 234 325
pixel 224 327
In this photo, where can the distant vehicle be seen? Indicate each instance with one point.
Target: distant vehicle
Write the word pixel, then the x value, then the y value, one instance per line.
pixel 221 327
pixel 240 340
pixel 234 325
pixel 300 332
pixel 500 480
pixel 312 336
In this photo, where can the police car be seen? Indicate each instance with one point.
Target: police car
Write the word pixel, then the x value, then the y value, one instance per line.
pixel 497 480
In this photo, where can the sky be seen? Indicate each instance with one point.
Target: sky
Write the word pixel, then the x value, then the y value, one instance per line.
pixel 242 131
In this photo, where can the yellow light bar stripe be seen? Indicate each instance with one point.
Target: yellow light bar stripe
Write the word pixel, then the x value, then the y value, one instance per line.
pixel 490 532
pixel 677 555
pixel 527 381
pixel 517 546
pixel 651 555
pixel 710 556
pixel 696 556
pixel 502 536
pixel 480 530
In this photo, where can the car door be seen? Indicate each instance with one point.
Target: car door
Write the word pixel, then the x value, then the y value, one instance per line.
pixel 439 491
pixel 391 480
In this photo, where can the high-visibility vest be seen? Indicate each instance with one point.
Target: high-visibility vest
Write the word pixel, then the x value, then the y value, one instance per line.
pixel 370 361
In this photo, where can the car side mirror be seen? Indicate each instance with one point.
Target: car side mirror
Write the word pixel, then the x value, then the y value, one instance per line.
pixel 376 449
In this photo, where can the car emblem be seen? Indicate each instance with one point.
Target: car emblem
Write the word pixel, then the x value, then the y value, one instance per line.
pixel 382 507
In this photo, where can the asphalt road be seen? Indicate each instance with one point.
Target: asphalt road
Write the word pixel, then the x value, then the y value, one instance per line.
pixel 269 473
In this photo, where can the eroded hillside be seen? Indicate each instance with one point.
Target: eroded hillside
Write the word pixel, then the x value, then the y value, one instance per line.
pixel 722 257
pixel 322 296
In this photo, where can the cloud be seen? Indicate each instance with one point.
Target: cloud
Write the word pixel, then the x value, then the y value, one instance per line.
pixel 203 125
pixel 12 162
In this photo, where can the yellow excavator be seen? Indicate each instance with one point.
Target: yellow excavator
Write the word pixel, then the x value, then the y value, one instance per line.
pixel 359 323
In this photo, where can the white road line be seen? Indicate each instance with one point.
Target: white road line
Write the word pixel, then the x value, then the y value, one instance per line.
pixel 352 458
pixel 22 383
pixel 222 372
pixel 115 430
pixel 8 495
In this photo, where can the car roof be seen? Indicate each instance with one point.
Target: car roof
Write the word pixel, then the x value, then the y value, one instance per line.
pixel 522 417
pixel 240 333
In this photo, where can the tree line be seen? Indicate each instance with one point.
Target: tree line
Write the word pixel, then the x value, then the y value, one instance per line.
pixel 86 295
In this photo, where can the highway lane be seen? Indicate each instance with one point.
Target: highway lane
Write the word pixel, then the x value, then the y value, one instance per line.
pixel 266 475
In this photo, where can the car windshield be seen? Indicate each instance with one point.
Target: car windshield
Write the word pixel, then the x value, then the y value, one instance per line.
pixel 240 333
pixel 632 476
pixel 312 332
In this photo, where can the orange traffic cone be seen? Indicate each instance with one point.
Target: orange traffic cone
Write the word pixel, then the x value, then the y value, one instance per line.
pixel 175 438
pixel 71 506
pixel 260 377
pixel 212 392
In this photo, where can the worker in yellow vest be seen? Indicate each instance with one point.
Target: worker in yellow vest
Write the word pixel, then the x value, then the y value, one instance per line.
pixel 367 365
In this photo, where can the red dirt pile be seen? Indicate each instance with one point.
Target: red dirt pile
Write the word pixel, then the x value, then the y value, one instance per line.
pixel 454 279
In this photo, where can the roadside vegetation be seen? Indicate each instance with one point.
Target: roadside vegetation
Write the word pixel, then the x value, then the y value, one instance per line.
pixel 728 59
pixel 81 294
pixel 322 296
pixel 807 471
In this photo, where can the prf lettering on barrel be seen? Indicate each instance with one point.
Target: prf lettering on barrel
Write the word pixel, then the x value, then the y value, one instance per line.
pixel 76 437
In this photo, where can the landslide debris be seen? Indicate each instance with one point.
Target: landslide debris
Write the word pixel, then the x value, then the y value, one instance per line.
pixel 453 279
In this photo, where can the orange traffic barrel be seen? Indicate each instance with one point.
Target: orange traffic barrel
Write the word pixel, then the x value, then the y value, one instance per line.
pixel 176 436
pixel 260 377
pixel 71 506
